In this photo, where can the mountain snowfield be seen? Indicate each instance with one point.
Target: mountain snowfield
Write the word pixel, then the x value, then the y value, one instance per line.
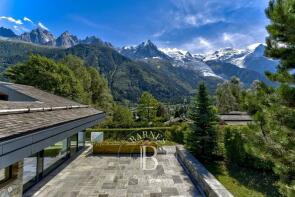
pixel 186 60
pixel 251 58
pixel 248 64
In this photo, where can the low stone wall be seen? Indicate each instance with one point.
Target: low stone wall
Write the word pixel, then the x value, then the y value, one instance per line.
pixel 208 183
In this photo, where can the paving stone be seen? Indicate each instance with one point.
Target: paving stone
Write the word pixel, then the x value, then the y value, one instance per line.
pixel 170 191
pixel 176 179
pixel 133 181
pixel 108 186
pixel 103 195
pixel 134 189
pixel 69 194
pixel 156 195
pixel 99 175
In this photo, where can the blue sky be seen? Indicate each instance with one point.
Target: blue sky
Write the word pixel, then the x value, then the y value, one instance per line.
pixel 195 25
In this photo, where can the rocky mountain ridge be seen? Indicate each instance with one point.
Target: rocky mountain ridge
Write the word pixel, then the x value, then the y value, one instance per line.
pixel 250 59
pixel 42 36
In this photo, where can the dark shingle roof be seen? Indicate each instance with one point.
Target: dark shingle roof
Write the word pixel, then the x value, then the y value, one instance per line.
pixel 44 99
pixel 17 117
pixel 235 118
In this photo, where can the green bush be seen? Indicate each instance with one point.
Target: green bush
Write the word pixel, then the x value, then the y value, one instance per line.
pixel 177 133
pixel 118 134
pixel 236 149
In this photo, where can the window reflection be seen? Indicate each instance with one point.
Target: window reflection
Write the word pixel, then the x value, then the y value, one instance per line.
pixel 81 140
pixel 74 143
pixel 30 169
pixel 54 153
pixel 5 174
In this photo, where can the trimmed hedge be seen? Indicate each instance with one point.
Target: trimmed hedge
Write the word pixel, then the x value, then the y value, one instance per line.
pixel 122 148
pixel 123 134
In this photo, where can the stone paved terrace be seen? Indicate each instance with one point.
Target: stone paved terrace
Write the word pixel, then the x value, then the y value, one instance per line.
pixel 108 175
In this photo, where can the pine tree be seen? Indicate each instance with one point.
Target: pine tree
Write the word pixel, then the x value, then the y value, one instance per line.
pixel 228 95
pixel 274 131
pixel 201 139
pixel 280 45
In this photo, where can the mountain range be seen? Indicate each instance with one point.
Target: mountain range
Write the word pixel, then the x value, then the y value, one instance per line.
pixel 248 64
pixel 169 74
pixel 44 37
pixel 5 32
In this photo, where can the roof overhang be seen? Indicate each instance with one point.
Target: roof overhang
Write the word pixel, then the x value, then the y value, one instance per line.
pixel 17 148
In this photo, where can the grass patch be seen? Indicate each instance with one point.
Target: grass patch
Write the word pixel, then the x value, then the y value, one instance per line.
pixel 244 182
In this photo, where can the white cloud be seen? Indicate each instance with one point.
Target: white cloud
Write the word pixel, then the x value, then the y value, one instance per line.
pixel 191 20
pixel 20 29
pixel 42 26
pixel 27 19
pixel 12 20
pixel 199 19
pixel 223 40
pixel 237 40
pixel 227 37
pixel 172 50
pixel 17 28
pixel 158 34
pixel 199 45
pixel 205 43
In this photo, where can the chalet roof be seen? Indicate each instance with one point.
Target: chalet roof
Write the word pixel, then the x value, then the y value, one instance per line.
pixel 235 118
pixel 32 109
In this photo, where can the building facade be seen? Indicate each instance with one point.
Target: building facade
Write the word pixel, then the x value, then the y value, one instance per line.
pixel 38 132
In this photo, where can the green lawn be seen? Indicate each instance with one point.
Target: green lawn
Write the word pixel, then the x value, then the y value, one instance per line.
pixel 244 182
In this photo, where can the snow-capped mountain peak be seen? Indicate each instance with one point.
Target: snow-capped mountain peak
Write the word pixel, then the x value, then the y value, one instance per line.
pixel 252 47
pixel 66 40
pixel 38 36
pixel 185 59
pixel 128 47
pixel 148 43
pixel 144 50
pixel 188 55
pixel 174 53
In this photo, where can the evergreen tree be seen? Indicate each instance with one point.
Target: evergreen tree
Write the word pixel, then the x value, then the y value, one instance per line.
pixel 201 139
pixel 274 109
pixel 280 45
pixel 229 96
pixel 161 111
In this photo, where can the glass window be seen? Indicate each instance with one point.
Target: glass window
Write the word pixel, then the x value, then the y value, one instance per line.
pixel 5 174
pixel 74 143
pixel 81 139
pixel 30 169
pixel 3 96
pixel 55 154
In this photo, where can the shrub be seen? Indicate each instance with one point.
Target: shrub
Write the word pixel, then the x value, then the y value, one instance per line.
pixel 177 133
pixel 118 134
pixel 237 151
pixel 121 147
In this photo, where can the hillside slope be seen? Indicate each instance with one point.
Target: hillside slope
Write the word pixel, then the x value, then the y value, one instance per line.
pixel 127 78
